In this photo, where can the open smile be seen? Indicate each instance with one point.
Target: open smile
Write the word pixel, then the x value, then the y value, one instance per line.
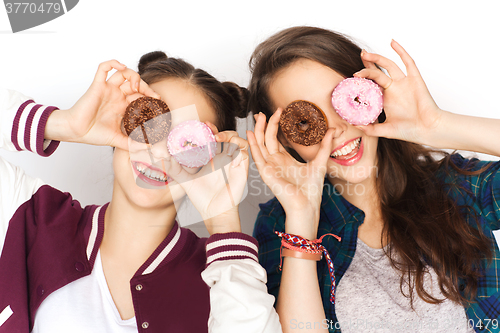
pixel 349 152
pixel 150 174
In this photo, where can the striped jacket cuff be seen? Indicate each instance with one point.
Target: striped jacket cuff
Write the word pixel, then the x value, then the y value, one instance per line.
pixel 231 246
pixel 29 128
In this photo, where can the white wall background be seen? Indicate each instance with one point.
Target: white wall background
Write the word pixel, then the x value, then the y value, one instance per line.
pixel 455 45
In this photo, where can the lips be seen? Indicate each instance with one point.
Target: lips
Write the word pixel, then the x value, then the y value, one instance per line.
pixel 349 152
pixel 150 174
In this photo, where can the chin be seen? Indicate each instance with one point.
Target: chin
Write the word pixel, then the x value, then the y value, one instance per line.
pixel 356 173
pixel 144 199
pixel 130 193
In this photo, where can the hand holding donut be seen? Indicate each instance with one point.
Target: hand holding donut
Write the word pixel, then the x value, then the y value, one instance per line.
pixel 218 187
pixel 96 116
pixel 411 113
pixel 298 186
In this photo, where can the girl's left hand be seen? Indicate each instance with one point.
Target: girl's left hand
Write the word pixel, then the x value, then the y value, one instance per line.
pixel 96 117
pixel 217 189
pixel 411 113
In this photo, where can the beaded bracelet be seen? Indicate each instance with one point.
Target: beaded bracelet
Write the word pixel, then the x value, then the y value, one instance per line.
pixel 307 249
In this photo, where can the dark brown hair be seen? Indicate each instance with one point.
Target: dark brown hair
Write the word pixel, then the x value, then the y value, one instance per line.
pixel 422 224
pixel 227 98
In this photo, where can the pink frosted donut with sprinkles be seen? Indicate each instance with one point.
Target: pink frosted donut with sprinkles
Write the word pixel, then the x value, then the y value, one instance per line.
pixel 192 143
pixel 357 100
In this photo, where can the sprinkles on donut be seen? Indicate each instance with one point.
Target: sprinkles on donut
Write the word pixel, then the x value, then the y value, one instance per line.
pixel 304 123
pixel 357 100
pixel 192 143
pixel 143 120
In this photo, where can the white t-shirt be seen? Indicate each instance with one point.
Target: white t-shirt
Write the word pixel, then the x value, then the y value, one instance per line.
pixel 368 299
pixel 83 306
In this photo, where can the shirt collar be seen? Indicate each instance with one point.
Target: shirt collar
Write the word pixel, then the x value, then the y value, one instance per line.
pixel 168 249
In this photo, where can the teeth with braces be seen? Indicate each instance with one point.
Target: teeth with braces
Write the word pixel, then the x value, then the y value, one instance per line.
pixel 346 149
pixel 152 174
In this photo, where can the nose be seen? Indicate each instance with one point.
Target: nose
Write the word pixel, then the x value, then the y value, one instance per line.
pixel 159 150
pixel 336 122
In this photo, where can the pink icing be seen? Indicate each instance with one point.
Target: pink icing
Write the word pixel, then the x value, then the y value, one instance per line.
pixel 357 100
pixel 192 143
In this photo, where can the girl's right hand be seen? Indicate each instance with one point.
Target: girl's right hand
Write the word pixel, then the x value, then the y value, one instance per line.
pixel 96 117
pixel 217 189
pixel 298 186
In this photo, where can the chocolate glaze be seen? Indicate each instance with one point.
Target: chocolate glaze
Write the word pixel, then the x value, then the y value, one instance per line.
pixel 303 123
pixel 145 112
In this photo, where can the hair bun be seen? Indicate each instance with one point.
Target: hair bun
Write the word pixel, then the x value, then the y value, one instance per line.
pixel 240 96
pixel 150 58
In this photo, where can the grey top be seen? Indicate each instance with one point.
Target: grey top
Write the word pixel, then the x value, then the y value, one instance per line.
pixel 369 299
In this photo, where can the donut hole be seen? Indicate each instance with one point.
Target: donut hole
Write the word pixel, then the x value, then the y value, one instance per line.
pixel 360 102
pixel 303 125
pixel 188 143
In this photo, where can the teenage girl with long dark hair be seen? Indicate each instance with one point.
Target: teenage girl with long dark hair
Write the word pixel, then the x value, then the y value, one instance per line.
pixel 417 251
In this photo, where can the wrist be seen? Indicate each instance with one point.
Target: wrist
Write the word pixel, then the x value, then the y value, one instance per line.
pixel 446 134
pixel 223 223
pixel 304 224
pixel 57 126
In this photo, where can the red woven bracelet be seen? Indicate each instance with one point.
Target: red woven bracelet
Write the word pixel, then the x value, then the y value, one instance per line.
pixel 300 244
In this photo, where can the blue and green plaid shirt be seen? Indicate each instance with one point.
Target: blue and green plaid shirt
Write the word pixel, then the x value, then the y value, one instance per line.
pixel 341 218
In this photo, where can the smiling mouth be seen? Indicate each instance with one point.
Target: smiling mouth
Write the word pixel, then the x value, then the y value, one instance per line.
pixel 150 173
pixel 348 151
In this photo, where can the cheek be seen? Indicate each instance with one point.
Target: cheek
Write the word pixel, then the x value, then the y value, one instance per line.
pixel 121 163
pixel 371 148
pixel 307 153
pixel 141 156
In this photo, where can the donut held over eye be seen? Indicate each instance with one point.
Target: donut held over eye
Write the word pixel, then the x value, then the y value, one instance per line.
pixel 357 100
pixel 192 144
pixel 145 121
pixel 304 123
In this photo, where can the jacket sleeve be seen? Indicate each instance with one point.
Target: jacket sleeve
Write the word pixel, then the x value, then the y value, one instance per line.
pixel 239 301
pixel 22 126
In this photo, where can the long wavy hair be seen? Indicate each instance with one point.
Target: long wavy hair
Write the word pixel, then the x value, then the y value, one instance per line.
pixel 422 224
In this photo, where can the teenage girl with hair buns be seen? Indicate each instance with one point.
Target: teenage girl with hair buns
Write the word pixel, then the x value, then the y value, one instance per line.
pixel 126 266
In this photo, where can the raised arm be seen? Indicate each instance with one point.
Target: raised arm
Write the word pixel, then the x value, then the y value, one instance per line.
pixel 298 187
pixel 412 114
pixel 96 117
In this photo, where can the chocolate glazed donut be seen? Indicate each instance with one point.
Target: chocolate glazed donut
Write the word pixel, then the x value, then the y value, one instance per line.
pixel 303 123
pixel 142 120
